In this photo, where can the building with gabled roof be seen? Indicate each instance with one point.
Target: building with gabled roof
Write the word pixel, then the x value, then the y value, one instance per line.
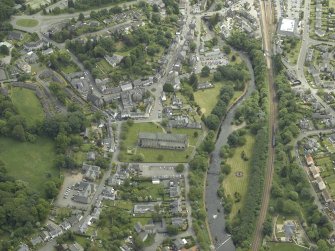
pixel 163 141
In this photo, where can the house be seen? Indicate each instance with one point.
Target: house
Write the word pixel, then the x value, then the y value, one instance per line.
pixel 15 35
pixel 289 229
pixel 37 240
pixel 114 60
pixel 75 247
pixel 45 235
pixel 321 184
pixel 332 138
pixel 74 219
pixel 108 193
pixel 47 51
pixel 91 156
pixel 23 66
pixel 143 208
pixel 309 160
pixel 315 171
pixel 91 172
pixel 54 231
pixel 206 85
pixel 163 141
pixel 175 207
pixel 65 225
pixel 8 45
pixel 178 221
pixel 326 196
pixel 126 87
pixel 85 190
pixel 179 243
pixel 32 46
pixel 143 236
pixel 23 247
pixel 138 227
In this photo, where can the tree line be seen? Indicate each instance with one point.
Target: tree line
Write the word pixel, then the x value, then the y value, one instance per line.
pixel 291 192
pixel 254 113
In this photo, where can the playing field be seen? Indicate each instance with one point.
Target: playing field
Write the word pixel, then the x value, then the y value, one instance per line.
pixel 27 104
pixel 233 184
pixel 25 22
pixel 32 163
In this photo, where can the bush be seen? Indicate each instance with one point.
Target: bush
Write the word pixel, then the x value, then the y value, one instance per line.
pixel 180 168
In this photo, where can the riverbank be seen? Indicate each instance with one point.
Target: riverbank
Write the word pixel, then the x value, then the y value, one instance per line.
pixel 215 214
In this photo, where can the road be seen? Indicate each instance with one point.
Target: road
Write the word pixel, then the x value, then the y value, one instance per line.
pixel 215 212
pixel 266 24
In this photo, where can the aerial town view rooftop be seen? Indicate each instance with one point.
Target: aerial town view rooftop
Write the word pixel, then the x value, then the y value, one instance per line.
pixel 167 125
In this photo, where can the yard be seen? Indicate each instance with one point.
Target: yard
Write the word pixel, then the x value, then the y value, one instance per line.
pixel 233 184
pixel 32 163
pixel 27 104
pixel 285 246
pixel 27 22
pixel 157 155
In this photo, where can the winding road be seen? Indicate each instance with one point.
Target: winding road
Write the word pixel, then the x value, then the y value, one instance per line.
pixel 215 214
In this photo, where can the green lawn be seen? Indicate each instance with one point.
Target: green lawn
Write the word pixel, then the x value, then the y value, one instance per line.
pixel 27 104
pixel 27 22
pixel 32 163
pixel 285 246
pixel 150 154
pixel 233 184
pixel 207 98
pixel 70 69
pixel 292 54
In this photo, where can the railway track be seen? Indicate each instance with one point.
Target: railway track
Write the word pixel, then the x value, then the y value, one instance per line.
pixel 266 21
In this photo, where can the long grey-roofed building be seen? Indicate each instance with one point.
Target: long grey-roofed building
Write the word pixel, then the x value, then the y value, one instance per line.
pixel 163 141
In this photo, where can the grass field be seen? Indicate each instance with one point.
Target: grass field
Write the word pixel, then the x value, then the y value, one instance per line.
pixel 234 184
pixel 151 155
pixel 27 104
pixel 293 54
pixel 70 68
pixel 32 163
pixel 35 4
pixel 26 22
pixel 207 99
pixel 285 246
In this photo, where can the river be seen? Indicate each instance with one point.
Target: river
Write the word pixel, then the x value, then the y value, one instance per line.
pixel 215 215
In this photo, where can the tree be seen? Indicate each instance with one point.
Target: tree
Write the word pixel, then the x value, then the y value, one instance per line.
pixel 19 133
pixel 205 71
pixel 322 245
pixel 226 49
pixel 172 230
pixel 168 87
pixel 193 80
pixel 4 50
pixel 180 168
pixel 51 189
pixel 193 46
pixel 212 122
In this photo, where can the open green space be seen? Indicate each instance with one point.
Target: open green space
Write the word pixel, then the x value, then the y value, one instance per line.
pixel 156 155
pixel 27 22
pixel 30 162
pixel 70 68
pixel 207 98
pixel 36 4
pixel 285 246
pixel 27 104
pixel 233 184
